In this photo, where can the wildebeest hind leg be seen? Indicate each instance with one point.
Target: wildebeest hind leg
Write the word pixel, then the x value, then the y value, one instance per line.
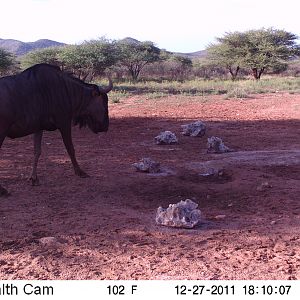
pixel 67 138
pixel 37 141
pixel 3 191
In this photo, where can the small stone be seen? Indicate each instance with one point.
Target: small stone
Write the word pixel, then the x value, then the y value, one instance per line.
pixel 263 186
pixel 213 173
pixel 183 214
pixel 220 217
pixel 273 222
pixel 166 138
pixel 147 165
pixel 216 145
pixel 49 241
pixel 197 128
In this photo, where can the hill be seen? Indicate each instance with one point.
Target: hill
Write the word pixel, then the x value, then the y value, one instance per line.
pixel 20 48
pixel 193 55
pixel 130 40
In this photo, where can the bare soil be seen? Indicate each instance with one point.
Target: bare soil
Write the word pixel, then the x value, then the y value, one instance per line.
pixel 103 227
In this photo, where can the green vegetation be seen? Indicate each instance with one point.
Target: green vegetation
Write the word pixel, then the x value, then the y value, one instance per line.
pixel 257 50
pixel 89 59
pixel 46 55
pixel 142 68
pixel 134 56
pixel 7 62
pixel 228 88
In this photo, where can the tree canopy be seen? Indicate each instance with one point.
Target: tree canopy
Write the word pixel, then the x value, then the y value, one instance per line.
pixel 257 50
pixel 7 61
pixel 88 59
pixel 92 58
pixel 135 56
pixel 46 55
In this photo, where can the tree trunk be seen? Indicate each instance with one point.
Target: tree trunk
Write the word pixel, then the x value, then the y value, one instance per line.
pixel 234 73
pixel 134 72
pixel 260 72
pixel 255 73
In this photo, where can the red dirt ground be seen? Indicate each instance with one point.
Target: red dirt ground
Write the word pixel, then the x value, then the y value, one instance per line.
pixel 103 227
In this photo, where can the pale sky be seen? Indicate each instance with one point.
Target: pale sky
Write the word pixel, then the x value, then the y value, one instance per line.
pixel 175 25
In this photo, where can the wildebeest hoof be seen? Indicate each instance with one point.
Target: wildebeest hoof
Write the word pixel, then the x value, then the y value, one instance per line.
pixel 34 181
pixel 82 174
pixel 3 192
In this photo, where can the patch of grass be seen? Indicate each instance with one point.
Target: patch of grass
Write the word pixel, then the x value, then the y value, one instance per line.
pixel 156 95
pixel 201 87
pixel 237 92
pixel 116 96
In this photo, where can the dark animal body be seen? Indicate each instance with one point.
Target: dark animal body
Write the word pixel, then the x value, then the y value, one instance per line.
pixel 45 98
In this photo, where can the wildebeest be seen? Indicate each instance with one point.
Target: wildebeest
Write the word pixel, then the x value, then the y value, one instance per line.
pixel 45 98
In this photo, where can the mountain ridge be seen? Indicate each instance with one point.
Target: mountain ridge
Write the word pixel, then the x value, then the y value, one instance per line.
pixel 20 48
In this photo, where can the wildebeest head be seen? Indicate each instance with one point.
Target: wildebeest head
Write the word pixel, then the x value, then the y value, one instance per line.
pixel 95 114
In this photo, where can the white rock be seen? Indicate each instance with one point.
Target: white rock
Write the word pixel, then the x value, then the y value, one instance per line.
pixel 220 217
pixel 216 145
pixel 184 214
pixel 49 241
pixel 213 172
pixel 197 128
pixel 263 186
pixel 166 138
pixel 147 165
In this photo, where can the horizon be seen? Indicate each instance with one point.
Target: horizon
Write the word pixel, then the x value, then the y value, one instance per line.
pixel 46 39
pixel 177 26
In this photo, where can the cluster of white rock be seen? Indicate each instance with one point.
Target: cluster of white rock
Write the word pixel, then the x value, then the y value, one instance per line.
pixel 147 165
pixel 197 128
pixel 166 138
pixel 216 145
pixel 183 214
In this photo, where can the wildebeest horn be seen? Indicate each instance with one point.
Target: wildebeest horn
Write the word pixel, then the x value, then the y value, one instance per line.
pixel 108 88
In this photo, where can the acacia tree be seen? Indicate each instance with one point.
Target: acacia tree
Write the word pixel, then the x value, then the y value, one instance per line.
pixel 259 50
pixel 136 55
pixel 7 61
pixel 268 49
pixel 227 53
pixel 46 55
pixel 90 58
pixel 179 67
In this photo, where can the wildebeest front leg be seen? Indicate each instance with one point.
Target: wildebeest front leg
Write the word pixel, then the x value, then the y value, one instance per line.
pixel 67 138
pixel 37 142
pixel 3 191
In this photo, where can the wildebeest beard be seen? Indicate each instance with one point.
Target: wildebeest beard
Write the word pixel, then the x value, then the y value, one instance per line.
pixel 86 121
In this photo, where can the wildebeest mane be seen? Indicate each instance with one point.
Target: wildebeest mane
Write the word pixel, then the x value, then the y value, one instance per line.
pixel 66 74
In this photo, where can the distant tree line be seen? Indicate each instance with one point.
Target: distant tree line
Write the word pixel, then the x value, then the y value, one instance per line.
pixel 254 52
